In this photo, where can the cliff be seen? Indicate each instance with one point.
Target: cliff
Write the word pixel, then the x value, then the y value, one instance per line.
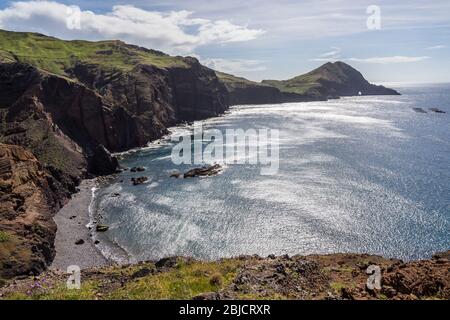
pixel 29 198
pixel 70 103
pixel 64 99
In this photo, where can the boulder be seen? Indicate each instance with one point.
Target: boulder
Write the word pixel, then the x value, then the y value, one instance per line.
pixel 101 228
pixel 103 163
pixel 139 180
pixel 204 171
pixel 436 110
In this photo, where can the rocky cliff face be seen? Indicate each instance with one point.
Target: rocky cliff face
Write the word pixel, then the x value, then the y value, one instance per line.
pixel 29 198
pixel 72 118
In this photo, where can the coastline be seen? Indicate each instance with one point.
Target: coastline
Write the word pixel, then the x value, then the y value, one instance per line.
pixel 72 221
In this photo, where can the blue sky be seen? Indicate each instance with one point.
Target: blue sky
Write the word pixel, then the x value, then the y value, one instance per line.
pixel 262 39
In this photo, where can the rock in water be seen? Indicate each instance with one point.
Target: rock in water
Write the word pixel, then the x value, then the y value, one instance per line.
pixel 139 180
pixel 437 110
pixel 101 228
pixel 419 110
pixel 204 171
pixel 175 174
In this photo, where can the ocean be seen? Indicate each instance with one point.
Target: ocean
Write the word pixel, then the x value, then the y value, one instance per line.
pixel 360 174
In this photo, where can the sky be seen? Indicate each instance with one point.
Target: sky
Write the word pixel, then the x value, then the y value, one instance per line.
pixel 401 42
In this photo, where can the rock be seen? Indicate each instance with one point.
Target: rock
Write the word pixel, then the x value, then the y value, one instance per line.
pixel 137 169
pixel 436 110
pixel 204 171
pixel 167 262
pixel 141 273
pixel 96 242
pixel 80 241
pixel 30 197
pixel 175 174
pixel 72 217
pixel 103 163
pixel 139 180
pixel 207 296
pixel 115 195
pixel 419 110
pixel 101 228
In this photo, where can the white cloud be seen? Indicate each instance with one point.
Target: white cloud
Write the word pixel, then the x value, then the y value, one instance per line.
pixel 174 31
pixel 389 60
pixel 438 47
pixel 334 53
pixel 233 65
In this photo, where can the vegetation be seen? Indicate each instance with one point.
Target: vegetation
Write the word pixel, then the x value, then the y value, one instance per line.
pixel 3 236
pixel 233 82
pixel 312 82
pixel 57 56
pixel 185 281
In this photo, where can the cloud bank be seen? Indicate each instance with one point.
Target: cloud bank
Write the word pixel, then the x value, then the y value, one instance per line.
pixel 390 60
pixel 174 32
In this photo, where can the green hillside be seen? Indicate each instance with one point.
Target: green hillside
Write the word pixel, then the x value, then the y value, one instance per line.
pixel 313 82
pixel 56 56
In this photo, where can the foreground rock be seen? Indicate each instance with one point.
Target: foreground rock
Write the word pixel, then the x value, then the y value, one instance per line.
pixel 335 276
pixel 30 197
pixel 204 171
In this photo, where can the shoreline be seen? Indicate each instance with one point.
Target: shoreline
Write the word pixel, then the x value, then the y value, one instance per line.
pixel 72 221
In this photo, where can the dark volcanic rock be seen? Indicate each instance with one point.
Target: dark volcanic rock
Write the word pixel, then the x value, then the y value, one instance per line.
pixel 203 171
pixel 437 110
pixel 101 228
pixel 139 180
pixel 419 110
pixel 102 163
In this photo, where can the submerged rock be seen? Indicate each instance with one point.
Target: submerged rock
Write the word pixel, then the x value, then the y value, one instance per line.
pixel 419 110
pixel 137 169
pixel 437 110
pixel 204 171
pixel 175 174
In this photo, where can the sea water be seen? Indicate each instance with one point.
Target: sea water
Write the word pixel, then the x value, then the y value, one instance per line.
pixel 361 174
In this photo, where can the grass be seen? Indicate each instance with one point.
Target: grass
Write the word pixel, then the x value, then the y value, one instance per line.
pixel 233 82
pixel 312 82
pixel 57 56
pixel 185 281
pixel 4 237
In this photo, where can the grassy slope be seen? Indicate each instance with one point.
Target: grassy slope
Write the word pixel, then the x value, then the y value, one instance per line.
pixel 56 56
pixel 233 82
pixel 337 276
pixel 311 82
pixel 184 281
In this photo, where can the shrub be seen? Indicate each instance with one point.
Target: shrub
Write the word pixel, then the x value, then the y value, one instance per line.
pixel 216 279
pixel 3 236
